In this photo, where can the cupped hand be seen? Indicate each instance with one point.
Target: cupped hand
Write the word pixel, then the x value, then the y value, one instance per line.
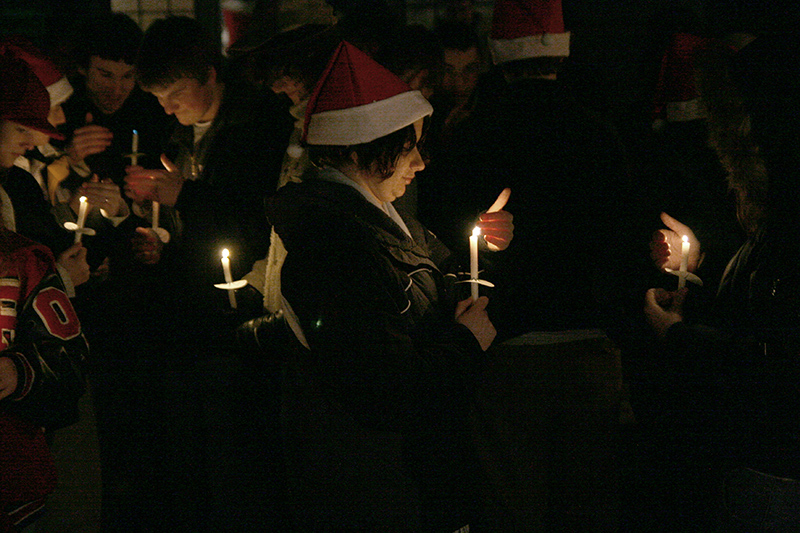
pixel 156 185
pixel 666 245
pixel 663 308
pixel 88 140
pixel 497 225
pixel 147 247
pixel 103 194
pixel 73 260
pixel 8 377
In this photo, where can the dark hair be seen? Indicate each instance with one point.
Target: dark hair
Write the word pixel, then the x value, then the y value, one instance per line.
pixel 301 54
pixel 115 37
pixel 459 36
pixel 380 155
pixel 410 49
pixel 174 48
pixel 532 67
pixel 731 134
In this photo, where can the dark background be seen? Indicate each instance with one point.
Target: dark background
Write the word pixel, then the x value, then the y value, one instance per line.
pixel 615 51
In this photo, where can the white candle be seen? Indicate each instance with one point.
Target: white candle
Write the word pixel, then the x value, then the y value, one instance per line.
pixel 473 261
pixel 135 148
pixel 226 269
pixel 81 219
pixel 684 262
pixel 156 211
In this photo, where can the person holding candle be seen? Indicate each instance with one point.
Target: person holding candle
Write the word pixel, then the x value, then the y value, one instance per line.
pixel 222 157
pixel 732 371
pixel 228 137
pixel 24 120
pixel 45 162
pixel 42 350
pixel 107 105
pixel 565 168
pixel 376 410
pixel 565 282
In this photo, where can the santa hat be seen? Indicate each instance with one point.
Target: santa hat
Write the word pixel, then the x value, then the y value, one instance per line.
pixel 56 83
pixel 357 101
pixel 525 29
pixel 23 98
pixel 237 16
pixel 677 98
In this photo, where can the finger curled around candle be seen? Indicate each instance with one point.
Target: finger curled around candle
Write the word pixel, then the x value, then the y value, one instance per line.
pixel 496 217
pixel 497 229
pixel 497 241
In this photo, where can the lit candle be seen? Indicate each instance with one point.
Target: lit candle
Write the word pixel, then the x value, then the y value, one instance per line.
pixel 135 148
pixel 684 262
pixel 473 261
pixel 226 269
pixel 81 220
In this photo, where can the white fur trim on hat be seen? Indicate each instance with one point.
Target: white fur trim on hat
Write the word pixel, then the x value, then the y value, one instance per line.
pixel 530 46
pixel 365 123
pixel 59 91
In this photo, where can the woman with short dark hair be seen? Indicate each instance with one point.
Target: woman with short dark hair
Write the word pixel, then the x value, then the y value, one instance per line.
pixel 376 405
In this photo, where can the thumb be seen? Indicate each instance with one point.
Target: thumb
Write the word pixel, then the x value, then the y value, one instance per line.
pixel 501 201
pixel 462 306
pixel 95 178
pixel 674 224
pixel 650 298
pixel 679 297
pixel 89 118
pixel 74 250
pixel 481 303
pixel 169 165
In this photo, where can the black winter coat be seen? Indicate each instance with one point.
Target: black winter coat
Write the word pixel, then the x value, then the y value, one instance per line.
pixel 376 412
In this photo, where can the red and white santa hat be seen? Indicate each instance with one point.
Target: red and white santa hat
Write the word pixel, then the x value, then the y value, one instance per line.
pixel 524 29
pixel 56 83
pixel 23 97
pixel 676 97
pixel 357 101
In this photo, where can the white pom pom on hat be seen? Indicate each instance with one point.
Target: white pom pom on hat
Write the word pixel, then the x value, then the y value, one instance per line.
pixel 524 29
pixel 676 97
pixel 57 85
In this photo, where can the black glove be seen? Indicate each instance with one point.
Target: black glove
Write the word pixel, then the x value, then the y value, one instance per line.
pixel 266 338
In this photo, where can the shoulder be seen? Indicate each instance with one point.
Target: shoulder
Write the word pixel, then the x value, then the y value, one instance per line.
pixel 247 105
pixel 34 260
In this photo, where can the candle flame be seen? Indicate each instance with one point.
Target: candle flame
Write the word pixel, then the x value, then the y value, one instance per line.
pixel 476 231
pixel 135 132
pixel 83 199
pixel 685 238
pixel 225 252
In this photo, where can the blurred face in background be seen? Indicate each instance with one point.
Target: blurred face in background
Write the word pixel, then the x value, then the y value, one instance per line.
pixel 109 83
pixel 461 73
pixel 291 87
pixel 56 118
pixel 15 140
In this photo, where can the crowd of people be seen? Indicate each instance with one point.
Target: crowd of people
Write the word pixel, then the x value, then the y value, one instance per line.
pixel 244 282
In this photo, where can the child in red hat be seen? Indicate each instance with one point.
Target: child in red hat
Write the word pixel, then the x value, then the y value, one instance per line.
pixel 42 347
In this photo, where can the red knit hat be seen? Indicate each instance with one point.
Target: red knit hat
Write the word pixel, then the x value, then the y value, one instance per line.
pixel 677 98
pixel 23 98
pixel 56 83
pixel 357 101
pixel 524 29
